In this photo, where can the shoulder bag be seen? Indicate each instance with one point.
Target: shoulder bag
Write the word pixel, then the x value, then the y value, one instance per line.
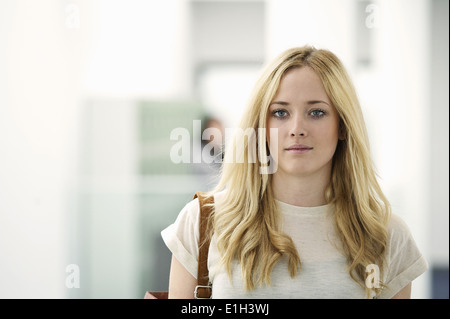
pixel 203 288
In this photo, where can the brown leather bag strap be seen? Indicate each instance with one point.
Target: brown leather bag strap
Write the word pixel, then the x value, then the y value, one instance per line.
pixel 203 289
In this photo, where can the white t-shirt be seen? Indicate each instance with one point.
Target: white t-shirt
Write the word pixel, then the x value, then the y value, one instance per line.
pixel 323 271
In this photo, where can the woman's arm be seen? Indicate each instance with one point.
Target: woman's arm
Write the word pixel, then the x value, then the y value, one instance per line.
pixel 405 293
pixel 181 282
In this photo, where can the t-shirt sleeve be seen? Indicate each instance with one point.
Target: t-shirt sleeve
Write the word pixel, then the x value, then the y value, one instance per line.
pixel 404 260
pixel 182 237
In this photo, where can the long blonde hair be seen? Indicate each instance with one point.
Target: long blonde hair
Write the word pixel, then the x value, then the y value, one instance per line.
pixel 248 227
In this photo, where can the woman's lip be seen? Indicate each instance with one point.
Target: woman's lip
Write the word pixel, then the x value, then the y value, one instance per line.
pixel 298 149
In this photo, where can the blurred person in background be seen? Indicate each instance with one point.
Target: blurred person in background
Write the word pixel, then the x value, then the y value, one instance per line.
pixel 212 143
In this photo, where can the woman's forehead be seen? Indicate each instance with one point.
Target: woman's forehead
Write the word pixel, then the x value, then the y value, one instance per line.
pixel 301 83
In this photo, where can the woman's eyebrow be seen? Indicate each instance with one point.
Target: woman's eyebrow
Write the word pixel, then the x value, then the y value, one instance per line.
pixel 317 102
pixel 280 103
pixel 312 102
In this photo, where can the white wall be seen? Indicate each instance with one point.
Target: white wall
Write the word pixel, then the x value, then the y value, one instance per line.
pixel 54 55
pixel 139 49
pixel 38 119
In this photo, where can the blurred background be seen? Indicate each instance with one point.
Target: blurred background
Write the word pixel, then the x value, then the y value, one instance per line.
pixel 90 91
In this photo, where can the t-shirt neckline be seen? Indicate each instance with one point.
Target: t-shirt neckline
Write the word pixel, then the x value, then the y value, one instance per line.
pixel 301 210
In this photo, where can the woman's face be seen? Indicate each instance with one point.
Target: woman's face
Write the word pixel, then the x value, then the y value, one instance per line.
pixel 307 123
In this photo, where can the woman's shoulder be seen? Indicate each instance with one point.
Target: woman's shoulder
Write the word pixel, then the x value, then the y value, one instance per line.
pixel 397 225
pixel 192 207
pixel 218 196
pixel 400 235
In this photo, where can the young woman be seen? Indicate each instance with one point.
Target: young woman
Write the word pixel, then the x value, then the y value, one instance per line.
pixel 315 225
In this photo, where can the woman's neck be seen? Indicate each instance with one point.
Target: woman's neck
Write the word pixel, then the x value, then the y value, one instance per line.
pixel 305 191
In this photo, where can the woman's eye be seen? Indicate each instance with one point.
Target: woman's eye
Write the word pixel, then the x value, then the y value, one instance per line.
pixel 279 113
pixel 317 113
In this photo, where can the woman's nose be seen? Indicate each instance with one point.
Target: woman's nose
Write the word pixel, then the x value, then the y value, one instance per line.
pixel 297 127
